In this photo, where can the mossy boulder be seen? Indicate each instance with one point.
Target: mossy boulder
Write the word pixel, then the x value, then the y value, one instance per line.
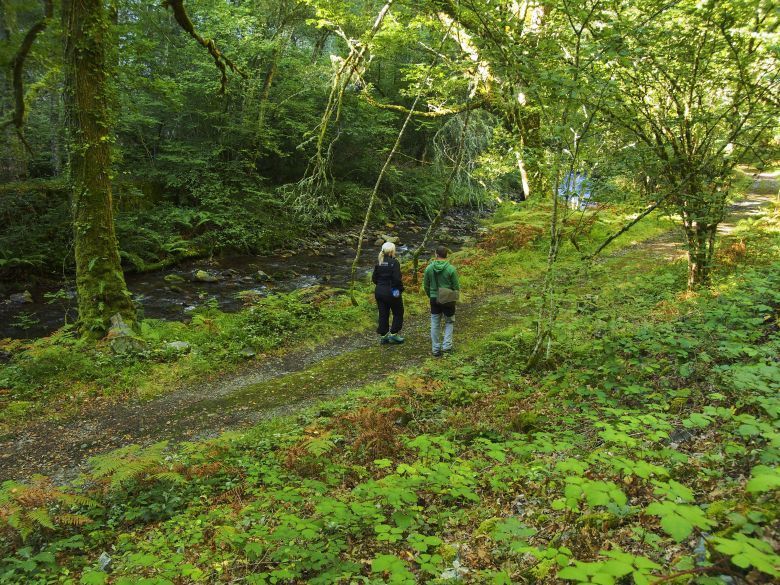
pixel 203 276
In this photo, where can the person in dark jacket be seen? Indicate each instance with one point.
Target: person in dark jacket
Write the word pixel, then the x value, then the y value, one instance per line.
pixel 388 291
pixel 441 273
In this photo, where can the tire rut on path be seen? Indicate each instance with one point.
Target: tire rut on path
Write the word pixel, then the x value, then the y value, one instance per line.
pixel 276 386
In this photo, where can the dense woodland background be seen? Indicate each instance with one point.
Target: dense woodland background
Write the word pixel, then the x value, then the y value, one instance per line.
pixel 117 110
pixel 610 413
pixel 197 171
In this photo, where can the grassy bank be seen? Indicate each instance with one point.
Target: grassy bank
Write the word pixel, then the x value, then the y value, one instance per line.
pixel 645 451
pixel 61 374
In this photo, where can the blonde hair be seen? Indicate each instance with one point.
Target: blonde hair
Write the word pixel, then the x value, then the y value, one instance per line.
pixel 388 248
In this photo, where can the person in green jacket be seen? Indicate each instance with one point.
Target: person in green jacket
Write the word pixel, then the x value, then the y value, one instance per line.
pixel 441 273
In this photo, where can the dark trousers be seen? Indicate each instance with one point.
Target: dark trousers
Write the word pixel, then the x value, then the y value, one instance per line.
pixel 386 305
pixel 437 309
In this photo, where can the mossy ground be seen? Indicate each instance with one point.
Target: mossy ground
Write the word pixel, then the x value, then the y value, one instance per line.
pixel 62 375
pixel 646 450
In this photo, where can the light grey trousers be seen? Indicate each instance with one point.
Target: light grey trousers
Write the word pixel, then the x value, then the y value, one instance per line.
pixel 439 344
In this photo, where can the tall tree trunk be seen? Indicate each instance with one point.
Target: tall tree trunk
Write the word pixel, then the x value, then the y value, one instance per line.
pixel 13 157
pixel 55 148
pixel 100 283
pixel 273 67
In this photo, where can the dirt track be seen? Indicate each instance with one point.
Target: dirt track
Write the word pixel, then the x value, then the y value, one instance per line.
pixel 281 385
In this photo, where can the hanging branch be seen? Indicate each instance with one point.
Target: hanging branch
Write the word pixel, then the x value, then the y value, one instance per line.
pixel 220 60
pixel 436 113
pixel 317 173
pixel 17 69
pixel 446 201
pixel 625 228
pixel 372 198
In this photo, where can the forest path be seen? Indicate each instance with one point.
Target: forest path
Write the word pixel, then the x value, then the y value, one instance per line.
pixel 300 378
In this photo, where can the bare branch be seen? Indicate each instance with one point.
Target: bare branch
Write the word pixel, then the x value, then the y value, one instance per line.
pixel 17 68
pixel 435 113
pixel 625 228
pixel 220 60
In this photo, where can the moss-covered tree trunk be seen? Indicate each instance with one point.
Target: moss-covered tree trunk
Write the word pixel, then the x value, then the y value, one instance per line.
pixel 700 240
pixel 100 283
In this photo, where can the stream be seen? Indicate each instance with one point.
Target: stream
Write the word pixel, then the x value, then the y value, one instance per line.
pixel 174 293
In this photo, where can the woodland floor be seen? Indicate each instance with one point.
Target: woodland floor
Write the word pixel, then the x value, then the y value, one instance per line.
pixel 300 378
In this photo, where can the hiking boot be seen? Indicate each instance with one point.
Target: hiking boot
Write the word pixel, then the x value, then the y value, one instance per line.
pixel 436 353
pixel 384 339
pixel 395 338
pixel 447 351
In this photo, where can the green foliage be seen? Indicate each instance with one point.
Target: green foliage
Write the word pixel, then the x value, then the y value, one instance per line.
pixel 679 520
pixel 763 479
pixel 405 509
pixel 609 572
pixel 591 470
pixel 36 233
pixel 62 365
pixel 595 493
pixel 195 172
pixel 132 463
pixel 746 552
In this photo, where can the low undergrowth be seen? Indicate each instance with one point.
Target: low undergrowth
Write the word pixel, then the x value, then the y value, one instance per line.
pixel 169 353
pixel 645 451
pixel 61 374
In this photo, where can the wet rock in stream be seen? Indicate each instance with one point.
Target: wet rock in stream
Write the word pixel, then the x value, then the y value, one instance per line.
pixel 173 294
pixel 203 276
pixel 21 298
pixel 174 278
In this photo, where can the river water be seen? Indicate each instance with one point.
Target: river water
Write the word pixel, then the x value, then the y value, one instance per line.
pixel 174 293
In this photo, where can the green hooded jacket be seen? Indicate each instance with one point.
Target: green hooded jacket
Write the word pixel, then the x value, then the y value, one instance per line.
pixel 443 272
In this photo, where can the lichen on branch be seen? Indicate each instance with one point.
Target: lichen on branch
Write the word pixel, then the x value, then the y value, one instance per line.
pixel 222 62
pixel 17 73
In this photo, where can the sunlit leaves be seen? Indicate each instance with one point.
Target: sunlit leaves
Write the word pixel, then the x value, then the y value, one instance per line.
pixel 679 520
pixel 746 552
pixel 763 479
pixel 595 493
pixel 618 564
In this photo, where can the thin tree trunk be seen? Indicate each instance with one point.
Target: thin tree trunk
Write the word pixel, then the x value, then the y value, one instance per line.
pixel 265 93
pixel 391 154
pixel 54 141
pixel 523 173
pixel 100 282
pixel 446 200
pixel 701 247
pixel 372 198
pixel 548 308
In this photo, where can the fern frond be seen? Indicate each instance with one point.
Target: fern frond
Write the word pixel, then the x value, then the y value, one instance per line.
pixel 128 463
pixel 74 519
pixel 77 500
pixel 171 476
pixel 42 517
pixel 318 446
